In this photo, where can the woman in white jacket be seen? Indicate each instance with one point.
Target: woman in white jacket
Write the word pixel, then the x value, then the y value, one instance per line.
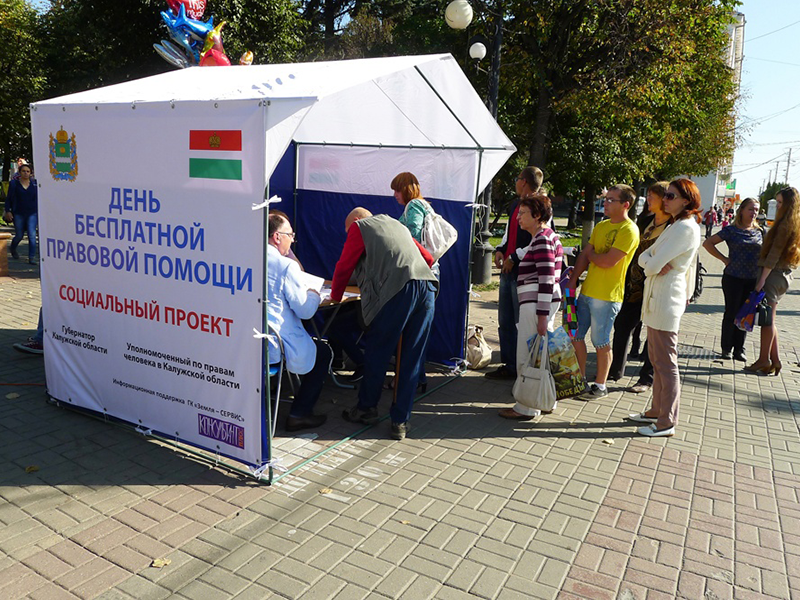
pixel 669 266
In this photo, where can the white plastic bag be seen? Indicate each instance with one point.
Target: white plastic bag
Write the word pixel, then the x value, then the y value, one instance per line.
pixel 437 234
pixel 479 354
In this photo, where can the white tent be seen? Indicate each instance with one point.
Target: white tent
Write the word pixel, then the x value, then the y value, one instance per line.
pixel 153 265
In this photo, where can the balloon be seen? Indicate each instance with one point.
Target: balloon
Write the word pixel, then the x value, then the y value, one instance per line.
pixel 194 8
pixel 197 29
pixel 214 58
pixel 246 59
pixel 214 39
pixel 172 55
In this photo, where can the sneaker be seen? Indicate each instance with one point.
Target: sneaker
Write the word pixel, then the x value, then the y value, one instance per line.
pixel 593 393
pixel 30 347
pixel 651 431
pixel 740 356
pixel 502 373
pixel 400 430
pixel 33 261
pixel 15 255
pixel 725 355
pixel 641 418
pixel 357 415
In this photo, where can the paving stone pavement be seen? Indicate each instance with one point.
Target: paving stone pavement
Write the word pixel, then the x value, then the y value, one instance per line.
pixel 468 506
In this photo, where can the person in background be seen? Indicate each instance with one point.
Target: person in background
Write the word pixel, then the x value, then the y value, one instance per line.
pixel 507 258
pixel 630 313
pixel 289 302
pixel 780 254
pixel 741 270
pixel 669 265
pixel 407 193
pixel 397 297
pixel 606 256
pixel 710 219
pixel 35 343
pixel 537 285
pixel 22 206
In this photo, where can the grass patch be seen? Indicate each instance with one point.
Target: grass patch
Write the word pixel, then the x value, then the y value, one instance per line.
pixel 486 287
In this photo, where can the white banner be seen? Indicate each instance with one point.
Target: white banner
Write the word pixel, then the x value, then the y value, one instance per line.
pixel 442 173
pixel 152 264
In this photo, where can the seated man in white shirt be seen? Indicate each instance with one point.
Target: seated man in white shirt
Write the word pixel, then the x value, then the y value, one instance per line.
pixel 290 302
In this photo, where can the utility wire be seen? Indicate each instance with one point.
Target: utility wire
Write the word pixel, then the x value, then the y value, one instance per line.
pixel 766 162
pixel 779 62
pixel 770 32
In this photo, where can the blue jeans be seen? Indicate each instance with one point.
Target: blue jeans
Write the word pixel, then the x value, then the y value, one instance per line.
pixel 39 335
pixel 23 224
pixel 597 315
pixel 410 314
pixel 507 319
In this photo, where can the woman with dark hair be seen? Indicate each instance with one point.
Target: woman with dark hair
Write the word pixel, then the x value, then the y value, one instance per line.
pixel 507 257
pixel 779 255
pixel 537 284
pixel 669 266
pixel 22 203
pixel 630 313
pixel 743 237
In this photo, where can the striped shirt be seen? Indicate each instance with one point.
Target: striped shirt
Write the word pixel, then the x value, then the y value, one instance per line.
pixel 540 271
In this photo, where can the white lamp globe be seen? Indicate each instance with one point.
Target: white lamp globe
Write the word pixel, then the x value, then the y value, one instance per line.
pixel 458 14
pixel 477 51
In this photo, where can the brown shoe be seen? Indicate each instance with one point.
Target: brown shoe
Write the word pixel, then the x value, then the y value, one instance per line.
pixel 501 373
pixel 510 413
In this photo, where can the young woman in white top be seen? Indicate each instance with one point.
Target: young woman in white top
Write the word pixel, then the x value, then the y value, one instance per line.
pixel 669 266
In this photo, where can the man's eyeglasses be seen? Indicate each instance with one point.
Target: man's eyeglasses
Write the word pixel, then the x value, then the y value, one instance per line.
pixel 607 199
pixel 291 235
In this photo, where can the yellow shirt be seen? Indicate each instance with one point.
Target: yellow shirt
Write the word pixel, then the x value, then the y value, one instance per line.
pixel 609 284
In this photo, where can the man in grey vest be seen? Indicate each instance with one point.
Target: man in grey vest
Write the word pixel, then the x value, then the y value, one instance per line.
pixel 397 295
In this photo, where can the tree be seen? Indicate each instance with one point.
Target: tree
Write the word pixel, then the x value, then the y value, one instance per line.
pixel 22 82
pixel 770 192
pixel 621 90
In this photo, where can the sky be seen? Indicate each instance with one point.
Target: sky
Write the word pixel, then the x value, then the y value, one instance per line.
pixel 770 86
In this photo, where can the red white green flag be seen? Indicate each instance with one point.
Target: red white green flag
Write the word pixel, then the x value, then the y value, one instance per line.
pixel 228 166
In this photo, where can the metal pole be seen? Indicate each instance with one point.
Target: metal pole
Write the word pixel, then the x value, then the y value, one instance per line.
pixel 788 162
pixel 483 250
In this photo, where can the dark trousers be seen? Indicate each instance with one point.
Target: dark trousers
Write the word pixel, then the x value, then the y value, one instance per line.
pixel 736 292
pixel 410 314
pixel 311 385
pixel 345 332
pixel 629 316
pixel 507 319
pixel 646 372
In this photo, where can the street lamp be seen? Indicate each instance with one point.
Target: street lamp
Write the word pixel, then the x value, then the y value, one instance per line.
pixel 458 14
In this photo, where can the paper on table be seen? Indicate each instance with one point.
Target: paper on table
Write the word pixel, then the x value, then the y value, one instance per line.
pixel 312 281
pixel 325 292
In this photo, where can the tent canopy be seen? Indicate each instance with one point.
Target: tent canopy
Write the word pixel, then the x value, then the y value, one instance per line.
pixel 408 101
pixel 153 249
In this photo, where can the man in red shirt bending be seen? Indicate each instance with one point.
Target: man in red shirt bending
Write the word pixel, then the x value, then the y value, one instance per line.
pixel 397 294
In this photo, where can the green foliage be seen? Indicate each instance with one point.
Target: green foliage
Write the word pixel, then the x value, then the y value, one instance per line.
pixel 631 88
pixel 21 81
pixel 770 192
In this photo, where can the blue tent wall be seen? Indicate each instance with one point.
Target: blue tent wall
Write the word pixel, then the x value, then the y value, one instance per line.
pixel 318 219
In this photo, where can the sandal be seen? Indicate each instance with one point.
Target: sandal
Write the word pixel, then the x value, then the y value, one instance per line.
pixel 510 413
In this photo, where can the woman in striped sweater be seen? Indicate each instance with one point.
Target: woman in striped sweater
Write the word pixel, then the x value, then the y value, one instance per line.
pixel 537 284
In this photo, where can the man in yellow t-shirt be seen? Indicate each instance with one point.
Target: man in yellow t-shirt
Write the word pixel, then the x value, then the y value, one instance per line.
pixel 607 256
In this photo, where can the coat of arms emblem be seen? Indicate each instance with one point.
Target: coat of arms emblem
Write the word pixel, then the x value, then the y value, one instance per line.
pixel 63 156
